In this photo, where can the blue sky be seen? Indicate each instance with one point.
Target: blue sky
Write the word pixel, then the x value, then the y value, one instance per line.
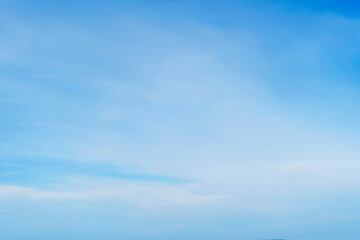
pixel 179 119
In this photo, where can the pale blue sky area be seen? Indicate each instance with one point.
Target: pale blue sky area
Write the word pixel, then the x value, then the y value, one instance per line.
pixel 179 120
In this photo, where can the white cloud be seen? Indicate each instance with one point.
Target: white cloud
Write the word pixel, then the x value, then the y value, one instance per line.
pixel 13 191
pixel 195 114
pixel 143 194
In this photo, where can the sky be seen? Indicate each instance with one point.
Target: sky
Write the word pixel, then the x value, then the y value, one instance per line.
pixel 179 119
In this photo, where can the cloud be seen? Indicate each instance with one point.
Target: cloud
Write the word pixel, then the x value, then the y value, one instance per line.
pixel 194 102
pixel 10 191
pixel 146 195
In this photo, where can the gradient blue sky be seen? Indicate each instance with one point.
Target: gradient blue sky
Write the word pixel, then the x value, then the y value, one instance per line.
pixel 179 120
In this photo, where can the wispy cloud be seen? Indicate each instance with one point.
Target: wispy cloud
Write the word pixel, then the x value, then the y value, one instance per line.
pixel 144 194
pixel 180 110
pixel 248 106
